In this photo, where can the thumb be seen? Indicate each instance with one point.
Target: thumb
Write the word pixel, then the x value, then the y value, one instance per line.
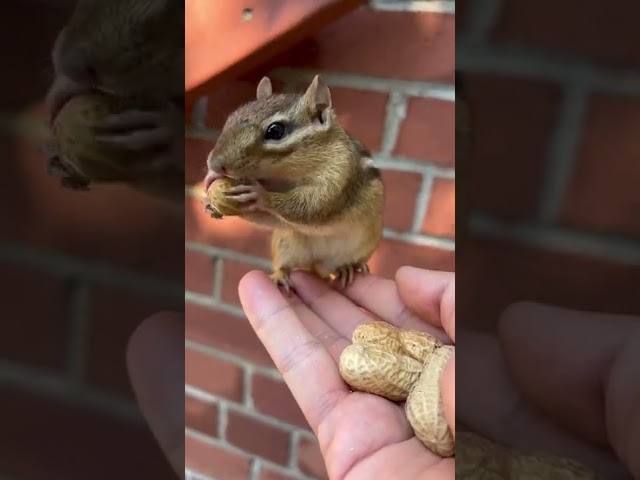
pixel 448 388
pixel 580 369
pixel 155 360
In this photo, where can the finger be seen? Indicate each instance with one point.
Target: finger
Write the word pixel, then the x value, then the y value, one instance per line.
pixel 579 368
pixel 448 388
pixel 488 403
pixel 380 297
pixel 334 308
pixel 430 295
pixel 155 361
pixel 308 369
pixel 333 341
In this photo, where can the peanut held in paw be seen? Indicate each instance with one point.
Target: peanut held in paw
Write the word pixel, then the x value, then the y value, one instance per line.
pixel 81 156
pixel 219 205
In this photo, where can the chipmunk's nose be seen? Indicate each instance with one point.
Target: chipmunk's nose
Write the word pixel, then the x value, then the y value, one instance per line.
pixel 215 164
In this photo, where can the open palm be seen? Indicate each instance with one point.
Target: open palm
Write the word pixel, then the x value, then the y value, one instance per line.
pixel 361 436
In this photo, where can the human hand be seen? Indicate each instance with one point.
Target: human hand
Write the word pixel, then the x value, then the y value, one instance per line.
pixel 155 361
pixel 557 380
pixel 361 436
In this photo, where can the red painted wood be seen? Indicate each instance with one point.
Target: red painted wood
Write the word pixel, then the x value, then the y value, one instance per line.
pixel 222 41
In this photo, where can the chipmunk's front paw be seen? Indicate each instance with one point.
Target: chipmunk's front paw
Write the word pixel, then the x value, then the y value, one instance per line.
pixel 250 198
pixel 155 135
pixel 281 278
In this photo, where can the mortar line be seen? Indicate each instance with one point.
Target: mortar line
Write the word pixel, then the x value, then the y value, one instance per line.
pixel 562 151
pixel 481 18
pixel 207 301
pixel 247 376
pixel 79 315
pixel 294 450
pixel 394 117
pixel 223 420
pixel 519 62
pixel 255 468
pixel 440 91
pixel 271 372
pixel 61 387
pixel 422 203
pixel 239 451
pixel 238 408
pixel 422 240
pixel 218 277
pixel 228 254
pixel 197 475
pixel 90 271
pixel 432 6
pixel 559 239
pixel 416 166
pixel 210 134
pixel 199 113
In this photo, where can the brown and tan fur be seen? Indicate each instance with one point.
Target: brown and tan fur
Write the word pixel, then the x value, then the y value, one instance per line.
pixel 317 187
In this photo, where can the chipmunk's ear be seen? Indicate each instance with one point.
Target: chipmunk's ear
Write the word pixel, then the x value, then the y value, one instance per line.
pixel 318 98
pixel 264 88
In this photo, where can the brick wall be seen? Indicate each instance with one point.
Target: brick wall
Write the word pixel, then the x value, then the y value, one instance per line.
pixel 554 166
pixel 390 67
pixel 78 274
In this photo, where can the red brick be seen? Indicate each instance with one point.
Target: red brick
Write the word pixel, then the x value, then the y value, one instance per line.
pixel 224 332
pixel 114 315
pixel 213 375
pixel 603 194
pixel 511 124
pixel 232 272
pixel 440 218
pixel 196 151
pixel 428 131
pixel 498 273
pixel 257 437
pixel 401 190
pixel 201 416
pixel 215 461
pixel 198 269
pixel 46 437
pixel 362 114
pixel 404 45
pixel 393 254
pixel 231 232
pixel 109 224
pixel 310 460
pixel 34 332
pixel 604 35
pixel 273 398
pixel 267 473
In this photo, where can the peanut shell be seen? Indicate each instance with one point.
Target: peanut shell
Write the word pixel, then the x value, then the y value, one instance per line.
pixel 217 199
pixel 483 459
pixel 376 370
pixel 76 141
pixel 424 407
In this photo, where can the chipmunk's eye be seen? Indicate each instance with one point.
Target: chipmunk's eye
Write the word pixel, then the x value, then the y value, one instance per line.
pixel 275 131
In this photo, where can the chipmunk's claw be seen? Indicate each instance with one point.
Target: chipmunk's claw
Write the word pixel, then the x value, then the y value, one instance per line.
pixel 75 183
pixel 153 134
pixel 212 211
pixel 346 274
pixel 248 196
pixel 281 279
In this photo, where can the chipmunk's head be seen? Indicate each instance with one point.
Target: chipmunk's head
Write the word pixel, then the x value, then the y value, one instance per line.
pixel 278 135
pixel 123 47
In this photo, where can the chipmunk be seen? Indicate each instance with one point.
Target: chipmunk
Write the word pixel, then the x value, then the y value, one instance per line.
pixel 304 177
pixel 131 49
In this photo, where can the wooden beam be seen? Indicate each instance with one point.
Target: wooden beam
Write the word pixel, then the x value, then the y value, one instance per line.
pixel 226 39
